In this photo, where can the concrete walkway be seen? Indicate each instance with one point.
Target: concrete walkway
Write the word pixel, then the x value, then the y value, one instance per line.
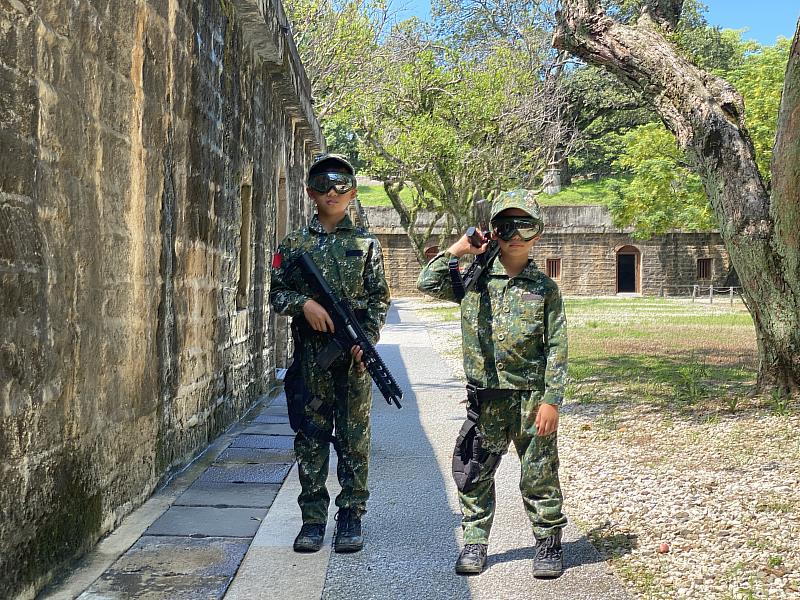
pixel 217 540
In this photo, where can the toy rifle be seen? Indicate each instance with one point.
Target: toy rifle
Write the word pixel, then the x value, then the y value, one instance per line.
pixel 462 283
pixel 347 333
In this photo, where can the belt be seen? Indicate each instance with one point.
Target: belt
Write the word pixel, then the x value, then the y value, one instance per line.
pixel 486 394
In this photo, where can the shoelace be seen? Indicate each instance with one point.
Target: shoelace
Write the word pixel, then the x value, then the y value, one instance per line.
pixel 475 549
pixel 548 549
pixel 346 521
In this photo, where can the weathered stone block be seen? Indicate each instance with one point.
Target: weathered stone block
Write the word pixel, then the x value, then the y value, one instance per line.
pixel 18 167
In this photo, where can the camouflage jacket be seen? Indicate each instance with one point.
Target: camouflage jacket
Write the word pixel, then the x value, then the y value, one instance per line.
pixel 514 330
pixel 351 261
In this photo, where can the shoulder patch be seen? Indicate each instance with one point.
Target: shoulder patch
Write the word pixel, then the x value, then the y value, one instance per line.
pixel 531 297
pixel 277 260
pixel 355 252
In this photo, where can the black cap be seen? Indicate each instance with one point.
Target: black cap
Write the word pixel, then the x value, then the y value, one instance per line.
pixel 324 162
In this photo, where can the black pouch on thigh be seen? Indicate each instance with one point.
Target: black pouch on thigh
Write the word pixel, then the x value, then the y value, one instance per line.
pixel 298 396
pixel 470 459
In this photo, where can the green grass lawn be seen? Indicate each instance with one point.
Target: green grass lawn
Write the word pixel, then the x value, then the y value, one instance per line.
pixel 580 192
pixel 670 352
pixel 666 351
pixel 375 195
pixel 584 192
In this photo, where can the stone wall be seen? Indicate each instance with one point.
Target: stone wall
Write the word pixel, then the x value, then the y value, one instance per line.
pixel 587 244
pixel 152 153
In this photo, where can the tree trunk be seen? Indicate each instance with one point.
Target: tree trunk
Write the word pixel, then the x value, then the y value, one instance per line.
pixel 408 220
pixel 706 114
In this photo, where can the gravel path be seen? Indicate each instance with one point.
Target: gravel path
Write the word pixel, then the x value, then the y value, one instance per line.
pixel 682 508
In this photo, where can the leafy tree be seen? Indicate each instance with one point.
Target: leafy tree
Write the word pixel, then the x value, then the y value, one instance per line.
pixel 758 223
pixel 339 137
pixel 664 193
pixel 339 44
pixel 453 126
pixel 604 109
pixel 759 78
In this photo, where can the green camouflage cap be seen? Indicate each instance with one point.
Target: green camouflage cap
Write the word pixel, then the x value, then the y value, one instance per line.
pixel 523 199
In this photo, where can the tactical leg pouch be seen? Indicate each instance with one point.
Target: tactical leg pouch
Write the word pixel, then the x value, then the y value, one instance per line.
pixel 297 394
pixel 470 459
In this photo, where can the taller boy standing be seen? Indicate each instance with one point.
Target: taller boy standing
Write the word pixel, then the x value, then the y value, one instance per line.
pixel 340 398
pixel 515 360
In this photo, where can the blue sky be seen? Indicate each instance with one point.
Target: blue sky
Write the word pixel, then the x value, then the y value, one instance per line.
pixel 765 20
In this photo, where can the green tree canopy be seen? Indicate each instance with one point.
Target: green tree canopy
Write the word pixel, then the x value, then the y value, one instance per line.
pixel 664 192
pixel 455 127
pixel 339 43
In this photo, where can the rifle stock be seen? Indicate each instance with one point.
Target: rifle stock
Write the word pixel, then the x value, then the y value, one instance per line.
pixel 347 333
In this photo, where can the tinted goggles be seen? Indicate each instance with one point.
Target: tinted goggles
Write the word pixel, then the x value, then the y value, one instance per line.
pixel 340 182
pixel 526 227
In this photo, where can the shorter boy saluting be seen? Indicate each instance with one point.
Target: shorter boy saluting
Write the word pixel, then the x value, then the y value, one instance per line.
pixel 515 359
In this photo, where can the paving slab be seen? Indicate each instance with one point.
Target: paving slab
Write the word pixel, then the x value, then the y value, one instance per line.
pixel 141 586
pixel 256 455
pixel 269 429
pixel 227 495
pixel 246 473
pixel 265 418
pixel 202 521
pixel 264 441
pixel 271 569
pixel 171 567
pixel 274 407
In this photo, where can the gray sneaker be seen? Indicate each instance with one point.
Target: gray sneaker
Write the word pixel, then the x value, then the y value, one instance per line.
pixel 472 560
pixel 549 558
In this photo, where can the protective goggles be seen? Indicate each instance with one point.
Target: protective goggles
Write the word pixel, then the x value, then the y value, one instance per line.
pixel 340 182
pixel 526 227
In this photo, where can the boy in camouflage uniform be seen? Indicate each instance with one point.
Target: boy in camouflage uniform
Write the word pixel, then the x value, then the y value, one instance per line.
pixel 515 359
pixel 351 261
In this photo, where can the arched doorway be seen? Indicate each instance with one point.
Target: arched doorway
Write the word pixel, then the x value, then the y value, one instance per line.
pixel 628 270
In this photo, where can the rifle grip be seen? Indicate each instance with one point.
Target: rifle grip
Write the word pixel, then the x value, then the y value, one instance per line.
pixel 474 237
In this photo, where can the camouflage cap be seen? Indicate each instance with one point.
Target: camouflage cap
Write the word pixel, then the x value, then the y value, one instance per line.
pixel 523 199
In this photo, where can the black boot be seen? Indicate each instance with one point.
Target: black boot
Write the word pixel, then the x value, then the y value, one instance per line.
pixel 310 537
pixel 549 558
pixel 348 531
pixel 472 559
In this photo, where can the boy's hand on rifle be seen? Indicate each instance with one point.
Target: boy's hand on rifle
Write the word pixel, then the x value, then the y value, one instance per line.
pixel 317 316
pixel 464 246
pixel 546 419
pixel 358 353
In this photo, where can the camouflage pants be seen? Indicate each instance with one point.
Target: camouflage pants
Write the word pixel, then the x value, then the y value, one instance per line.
pixel 346 401
pixel 508 420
